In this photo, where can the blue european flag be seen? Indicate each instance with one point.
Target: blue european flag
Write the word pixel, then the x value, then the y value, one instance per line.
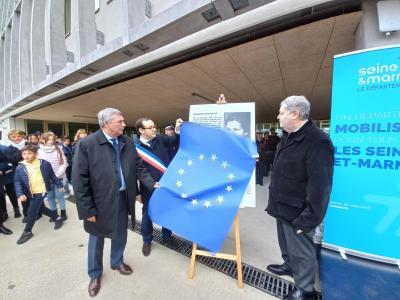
pixel 202 188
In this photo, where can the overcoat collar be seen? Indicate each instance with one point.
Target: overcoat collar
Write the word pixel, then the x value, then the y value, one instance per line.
pixel 101 139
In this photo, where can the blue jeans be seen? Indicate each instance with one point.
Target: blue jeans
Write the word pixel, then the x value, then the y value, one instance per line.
pixel 96 243
pixel 34 207
pixel 53 195
pixel 147 225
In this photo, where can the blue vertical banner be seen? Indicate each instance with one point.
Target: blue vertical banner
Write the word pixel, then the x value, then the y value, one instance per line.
pixel 364 210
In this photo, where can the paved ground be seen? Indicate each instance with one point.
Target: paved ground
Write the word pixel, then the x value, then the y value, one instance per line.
pixel 52 265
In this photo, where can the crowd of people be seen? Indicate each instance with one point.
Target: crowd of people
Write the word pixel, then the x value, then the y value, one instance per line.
pixel 267 143
pixel 40 171
pixel 108 173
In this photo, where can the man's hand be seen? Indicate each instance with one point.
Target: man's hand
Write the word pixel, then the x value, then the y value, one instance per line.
pixel 91 219
pixel 139 198
pixel 22 198
pixel 178 124
pixel 299 231
pixel 61 189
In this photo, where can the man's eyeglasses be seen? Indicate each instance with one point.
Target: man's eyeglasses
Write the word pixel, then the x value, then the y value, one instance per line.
pixel 151 127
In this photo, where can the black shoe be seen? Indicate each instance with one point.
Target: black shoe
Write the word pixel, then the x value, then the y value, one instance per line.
pixel 146 249
pixel 5 230
pixel 25 219
pixel 280 270
pixel 299 294
pixel 24 237
pixel 58 223
pixel 17 214
pixel 170 243
pixel 63 215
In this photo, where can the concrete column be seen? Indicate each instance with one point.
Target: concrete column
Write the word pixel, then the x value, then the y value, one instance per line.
pixel 83 26
pixel 10 9
pixel 25 46
pixel 56 36
pixel 7 65
pixel 2 72
pixel 132 14
pixel 368 34
pixel 2 9
pixel 14 68
pixel 38 42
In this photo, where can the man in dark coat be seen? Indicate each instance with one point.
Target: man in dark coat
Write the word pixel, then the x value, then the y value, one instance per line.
pixel 105 171
pixel 299 193
pixel 7 155
pixel 158 148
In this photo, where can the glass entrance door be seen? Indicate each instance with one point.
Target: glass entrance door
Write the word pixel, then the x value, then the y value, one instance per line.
pixel 57 128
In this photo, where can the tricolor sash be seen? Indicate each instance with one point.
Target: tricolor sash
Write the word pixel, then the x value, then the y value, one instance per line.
pixel 150 158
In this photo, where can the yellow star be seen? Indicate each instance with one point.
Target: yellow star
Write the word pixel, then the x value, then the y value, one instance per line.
pixel 181 171
pixel 201 156
pixel 178 183
pixel 220 199
pixel 213 157
pixel 189 162
pixel 194 202
pixel 224 164
pixel 183 196
pixel 230 176
pixel 229 188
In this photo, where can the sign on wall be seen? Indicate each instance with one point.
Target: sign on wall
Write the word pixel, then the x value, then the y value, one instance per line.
pixel 364 211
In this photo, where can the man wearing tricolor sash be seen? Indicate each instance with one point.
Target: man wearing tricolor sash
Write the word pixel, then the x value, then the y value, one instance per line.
pixel 154 150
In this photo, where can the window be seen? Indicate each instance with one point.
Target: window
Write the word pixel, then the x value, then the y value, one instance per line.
pixel 96 5
pixel 92 128
pixel 73 128
pixel 67 17
pixel 57 128
pixel 33 126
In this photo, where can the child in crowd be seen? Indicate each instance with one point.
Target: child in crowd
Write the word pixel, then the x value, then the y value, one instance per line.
pixel 33 139
pixel 17 140
pixel 80 133
pixel 67 149
pixel 33 178
pixel 51 152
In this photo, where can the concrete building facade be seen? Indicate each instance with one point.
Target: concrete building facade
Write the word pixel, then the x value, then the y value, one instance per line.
pixel 62 60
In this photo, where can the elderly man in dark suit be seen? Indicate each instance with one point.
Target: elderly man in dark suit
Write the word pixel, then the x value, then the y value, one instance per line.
pixel 105 171
pixel 299 193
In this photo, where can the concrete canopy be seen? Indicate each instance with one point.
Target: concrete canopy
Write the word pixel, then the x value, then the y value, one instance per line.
pixel 296 61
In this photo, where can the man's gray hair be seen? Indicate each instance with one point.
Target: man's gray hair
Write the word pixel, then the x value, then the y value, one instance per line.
pixel 299 103
pixel 106 114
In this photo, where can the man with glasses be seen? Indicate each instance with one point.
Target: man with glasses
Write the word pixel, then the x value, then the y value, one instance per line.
pixel 299 193
pixel 156 147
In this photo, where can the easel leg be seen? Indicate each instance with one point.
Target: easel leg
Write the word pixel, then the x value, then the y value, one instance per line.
pixel 238 253
pixel 192 261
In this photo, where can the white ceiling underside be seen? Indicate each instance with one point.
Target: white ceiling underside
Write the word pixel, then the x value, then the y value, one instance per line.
pixel 294 62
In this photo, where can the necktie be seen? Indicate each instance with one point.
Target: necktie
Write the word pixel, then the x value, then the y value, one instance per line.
pixel 118 158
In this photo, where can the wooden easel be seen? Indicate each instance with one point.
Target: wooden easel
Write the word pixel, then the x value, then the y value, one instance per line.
pixel 237 257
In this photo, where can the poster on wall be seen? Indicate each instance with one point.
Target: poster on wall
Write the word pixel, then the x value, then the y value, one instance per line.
pixel 236 117
pixel 364 210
